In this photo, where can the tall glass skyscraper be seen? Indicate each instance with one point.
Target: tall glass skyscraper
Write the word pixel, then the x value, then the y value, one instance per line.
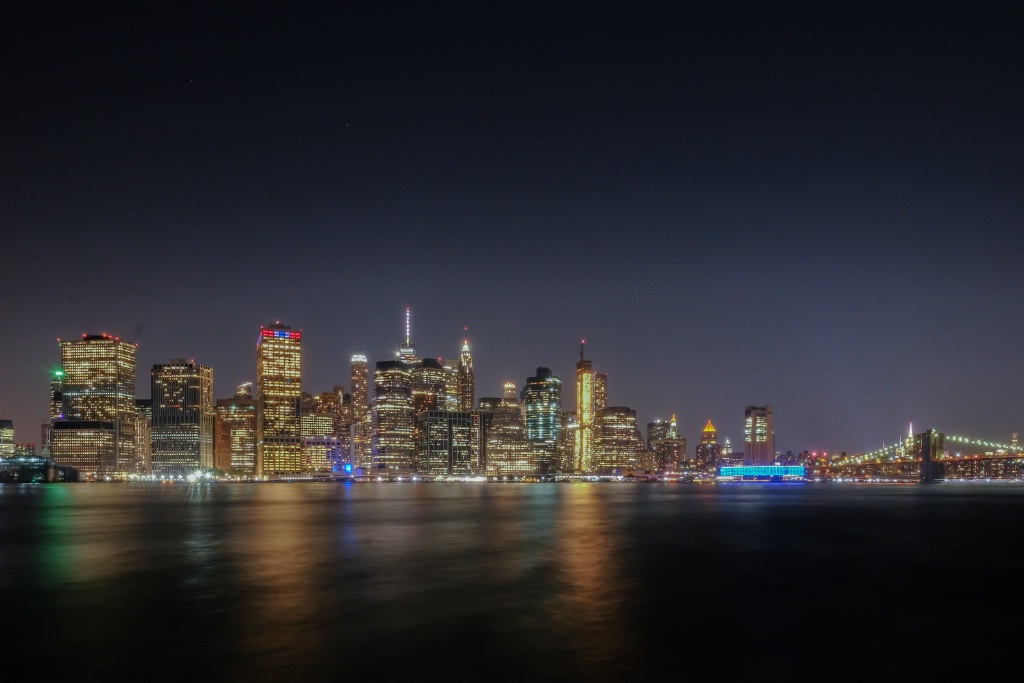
pixel 542 401
pixel 394 448
pixel 278 400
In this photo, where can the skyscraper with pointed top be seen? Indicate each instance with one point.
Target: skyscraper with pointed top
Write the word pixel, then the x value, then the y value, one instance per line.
pixel 465 379
pixel 709 452
pixel 407 352
pixel 583 460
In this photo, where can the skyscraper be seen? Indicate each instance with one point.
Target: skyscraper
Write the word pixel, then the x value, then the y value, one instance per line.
pixel 394 448
pixel 600 391
pixel 447 442
pixel 508 451
pixel 6 438
pixel 144 435
pixel 466 381
pixel 429 379
pixel 542 403
pixel 278 398
pixel 362 420
pixel 709 452
pixel 618 445
pixel 235 432
pixel 407 352
pixel 668 447
pixel 585 413
pixel 758 435
pixel 183 417
pixel 96 432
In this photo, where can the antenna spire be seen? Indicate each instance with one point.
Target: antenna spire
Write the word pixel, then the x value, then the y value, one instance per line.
pixel 407 327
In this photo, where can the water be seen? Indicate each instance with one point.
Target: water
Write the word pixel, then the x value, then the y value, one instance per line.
pixel 513 582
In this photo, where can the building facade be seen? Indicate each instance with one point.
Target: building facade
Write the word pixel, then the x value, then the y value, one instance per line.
pixel 394 447
pixel 709 453
pixel 758 435
pixel 618 444
pixel 96 430
pixel 278 400
pixel 183 417
pixel 585 415
pixel 234 449
pixel 542 405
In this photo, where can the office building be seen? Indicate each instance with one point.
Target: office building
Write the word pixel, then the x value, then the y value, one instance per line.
pixel 144 436
pixel 667 449
pixel 183 417
pixel 6 439
pixel 542 404
pixel 585 414
pixel 429 380
pixel 96 430
pixel 362 418
pixel 508 450
pixel 600 391
pixel 466 383
pixel 758 435
pixel 449 443
pixel 394 447
pixel 709 455
pixel 278 398
pixel 618 444
pixel 234 448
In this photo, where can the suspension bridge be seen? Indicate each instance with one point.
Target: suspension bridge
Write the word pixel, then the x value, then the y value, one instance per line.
pixel 933 456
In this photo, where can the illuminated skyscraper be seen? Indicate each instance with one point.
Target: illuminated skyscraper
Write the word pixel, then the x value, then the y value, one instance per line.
pixel 656 431
pixel 709 452
pixel 758 435
pixel 600 391
pixel 618 444
pixel 144 436
pixel 96 434
pixel 542 402
pixel 326 444
pixel 429 379
pixel 508 451
pixel 278 398
pixel 448 442
pixel 585 414
pixel 6 439
pixel 668 447
pixel 394 448
pixel 234 447
pixel 56 396
pixel 183 417
pixel 466 382
pixel 362 419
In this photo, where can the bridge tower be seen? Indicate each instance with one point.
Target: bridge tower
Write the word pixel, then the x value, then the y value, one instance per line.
pixel 930 445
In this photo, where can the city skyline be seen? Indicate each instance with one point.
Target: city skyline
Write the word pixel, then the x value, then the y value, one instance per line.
pixel 811 207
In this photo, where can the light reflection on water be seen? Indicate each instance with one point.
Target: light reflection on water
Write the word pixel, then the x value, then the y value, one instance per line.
pixel 319 581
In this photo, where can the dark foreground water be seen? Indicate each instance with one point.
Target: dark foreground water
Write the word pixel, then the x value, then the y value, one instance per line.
pixel 442 582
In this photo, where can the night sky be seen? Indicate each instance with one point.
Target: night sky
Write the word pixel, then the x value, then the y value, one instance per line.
pixel 817 206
